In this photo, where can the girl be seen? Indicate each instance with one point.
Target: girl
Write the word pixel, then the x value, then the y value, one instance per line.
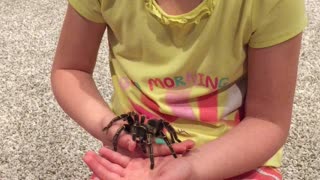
pixel 223 73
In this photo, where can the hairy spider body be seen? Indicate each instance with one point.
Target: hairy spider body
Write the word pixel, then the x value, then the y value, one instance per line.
pixel 143 133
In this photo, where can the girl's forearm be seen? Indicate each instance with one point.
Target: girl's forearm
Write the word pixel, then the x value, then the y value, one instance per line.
pixel 78 96
pixel 247 146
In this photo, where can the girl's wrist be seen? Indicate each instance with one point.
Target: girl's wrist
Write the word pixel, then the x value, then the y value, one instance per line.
pixel 106 137
pixel 192 157
pixel 200 169
pixel 106 120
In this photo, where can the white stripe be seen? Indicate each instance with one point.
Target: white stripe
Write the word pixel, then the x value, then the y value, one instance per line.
pixel 234 100
pixel 267 174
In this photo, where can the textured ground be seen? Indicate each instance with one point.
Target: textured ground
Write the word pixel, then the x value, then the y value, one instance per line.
pixel 38 141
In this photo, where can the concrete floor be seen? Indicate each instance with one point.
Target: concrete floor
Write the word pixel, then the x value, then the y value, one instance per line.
pixel 38 141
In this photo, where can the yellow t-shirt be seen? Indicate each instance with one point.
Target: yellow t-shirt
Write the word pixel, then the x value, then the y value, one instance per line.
pixel 189 69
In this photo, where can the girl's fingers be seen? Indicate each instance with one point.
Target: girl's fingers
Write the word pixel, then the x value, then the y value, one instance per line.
pixel 179 148
pixel 115 168
pixel 114 157
pixel 93 177
pixel 98 169
pixel 124 140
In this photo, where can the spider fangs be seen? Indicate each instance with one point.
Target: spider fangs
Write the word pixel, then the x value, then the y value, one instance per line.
pixel 143 133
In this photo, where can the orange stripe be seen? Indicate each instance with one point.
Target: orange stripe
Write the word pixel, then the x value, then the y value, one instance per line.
pixel 208 108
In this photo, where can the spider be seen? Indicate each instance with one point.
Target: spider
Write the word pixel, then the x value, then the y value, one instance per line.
pixel 143 133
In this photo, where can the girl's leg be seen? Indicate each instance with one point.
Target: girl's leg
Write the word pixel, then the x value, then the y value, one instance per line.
pixel 262 173
pixel 93 177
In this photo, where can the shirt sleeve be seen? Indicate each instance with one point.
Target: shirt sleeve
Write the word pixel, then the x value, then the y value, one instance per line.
pixel 89 9
pixel 284 20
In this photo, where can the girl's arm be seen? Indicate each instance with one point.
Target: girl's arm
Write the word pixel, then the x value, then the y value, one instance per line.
pixel 74 87
pixel 272 75
pixel 71 75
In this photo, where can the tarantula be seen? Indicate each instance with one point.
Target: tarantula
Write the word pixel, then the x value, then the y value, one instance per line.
pixel 143 133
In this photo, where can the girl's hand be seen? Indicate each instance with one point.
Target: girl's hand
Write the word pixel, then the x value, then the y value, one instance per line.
pixel 127 146
pixel 112 165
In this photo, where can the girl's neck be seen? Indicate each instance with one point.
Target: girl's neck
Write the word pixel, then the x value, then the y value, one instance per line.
pixel 177 7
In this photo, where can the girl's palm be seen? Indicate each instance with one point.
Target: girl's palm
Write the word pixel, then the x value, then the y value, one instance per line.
pixel 114 166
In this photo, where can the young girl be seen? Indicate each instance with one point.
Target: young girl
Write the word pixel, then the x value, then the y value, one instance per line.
pixel 222 72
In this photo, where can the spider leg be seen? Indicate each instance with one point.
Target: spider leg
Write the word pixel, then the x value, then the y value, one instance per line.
pixel 135 125
pixel 149 137
pixel 116 136
pixel 134 131
pixel 172 138
pixel 143 146
pixel 172 132
pixel 122 116
pixel 164 137
pixel 142 119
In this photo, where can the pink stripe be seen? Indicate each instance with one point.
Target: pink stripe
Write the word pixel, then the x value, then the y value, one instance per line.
pixel 179 105
pixel 155 109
